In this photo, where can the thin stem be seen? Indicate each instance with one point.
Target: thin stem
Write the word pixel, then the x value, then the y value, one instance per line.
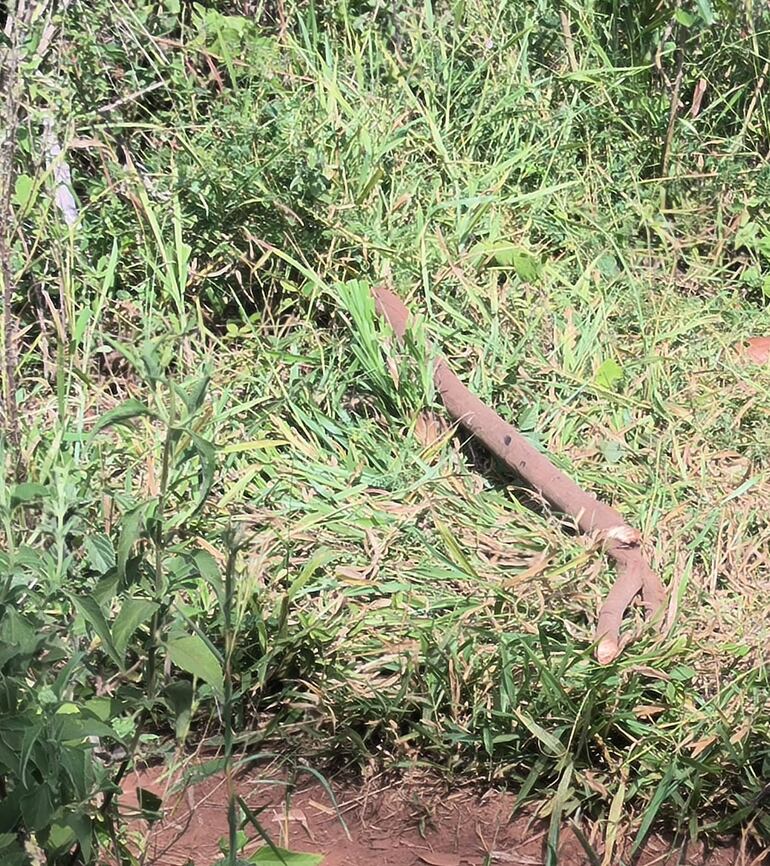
pixel 150 672
pixel 10 82
pixel 672 116
pixel 156 625
pixel 227 707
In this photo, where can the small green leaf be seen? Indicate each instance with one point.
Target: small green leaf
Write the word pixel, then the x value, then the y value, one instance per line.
pixel 208 569
pixel 24 191
pixel 612 451
pixel 504 254
pixel 133 613
pixel 122 414
pixel 194 394
pixel 150 804
pixel 527 266
pixel 92 613
pixel 684 18
pixel 60 838
pixel 191 654
pixel 608 374
pixel 706 12
pixel 608 265
pixel 179 697
pixel 240 842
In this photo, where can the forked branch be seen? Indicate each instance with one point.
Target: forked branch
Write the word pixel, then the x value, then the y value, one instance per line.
pixel 621 541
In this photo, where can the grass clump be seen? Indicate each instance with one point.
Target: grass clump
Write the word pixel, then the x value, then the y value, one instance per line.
pixel 573 199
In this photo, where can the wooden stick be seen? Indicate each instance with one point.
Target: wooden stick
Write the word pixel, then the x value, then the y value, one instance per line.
pixel 622 542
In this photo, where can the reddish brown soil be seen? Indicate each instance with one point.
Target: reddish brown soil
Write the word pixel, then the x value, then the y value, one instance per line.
pixel 406 823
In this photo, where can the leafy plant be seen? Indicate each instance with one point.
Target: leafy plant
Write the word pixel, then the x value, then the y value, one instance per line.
pixel 571 196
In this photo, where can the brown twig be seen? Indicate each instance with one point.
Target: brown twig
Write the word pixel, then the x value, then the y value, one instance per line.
pixel 673 113
pixel 621 541
pixel 569 44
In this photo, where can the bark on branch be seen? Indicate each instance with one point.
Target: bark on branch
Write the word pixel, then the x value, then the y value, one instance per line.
pixel 621 541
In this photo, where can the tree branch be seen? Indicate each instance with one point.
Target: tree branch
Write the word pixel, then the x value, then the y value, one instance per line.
pixel 621 541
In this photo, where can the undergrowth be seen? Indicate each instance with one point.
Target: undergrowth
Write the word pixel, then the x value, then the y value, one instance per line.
pixel 222 486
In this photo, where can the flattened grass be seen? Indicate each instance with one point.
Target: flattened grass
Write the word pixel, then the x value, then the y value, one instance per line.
pixel 401 600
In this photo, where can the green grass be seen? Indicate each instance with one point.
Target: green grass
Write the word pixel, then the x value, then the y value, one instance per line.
pixel 396 599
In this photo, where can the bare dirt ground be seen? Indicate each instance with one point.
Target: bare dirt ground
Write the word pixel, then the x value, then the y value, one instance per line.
pixel 412 822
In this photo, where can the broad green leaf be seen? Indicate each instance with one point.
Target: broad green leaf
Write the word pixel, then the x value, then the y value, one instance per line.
pixel 281 857
pixel 612 451
pixel 82 825
pixel 179 697
pixel 609 374
pixel 130 533
pixel 528 267
pixel 133 613
pixel 28 492
pixel 60 838
pixel 191 654
pixel 11 852
pixel 208 457
pixel 92 613
pixel 607 265
pixel 37 808
pixel 78 727
pixel 122 414
pixel 128 352
pixel 151 361
pixel 100 552
pixel 103 708
pixel 15 631
pixel 78 766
